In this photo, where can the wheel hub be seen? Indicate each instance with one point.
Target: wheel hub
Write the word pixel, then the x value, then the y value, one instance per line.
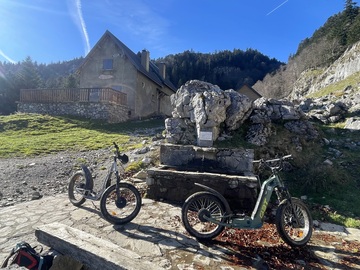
pixel 120 202
pixel 203 214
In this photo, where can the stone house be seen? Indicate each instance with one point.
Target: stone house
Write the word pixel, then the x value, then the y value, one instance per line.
pixel 249 92
pixel 116 85
pixel 111 64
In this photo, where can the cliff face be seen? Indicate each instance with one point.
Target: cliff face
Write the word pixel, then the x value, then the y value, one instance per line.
pixel 314 80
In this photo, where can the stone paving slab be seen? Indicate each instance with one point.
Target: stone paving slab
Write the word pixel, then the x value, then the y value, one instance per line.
pixel 156 234
pixel 89 249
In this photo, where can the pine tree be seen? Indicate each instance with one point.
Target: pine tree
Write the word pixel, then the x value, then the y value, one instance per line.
pixel 28 77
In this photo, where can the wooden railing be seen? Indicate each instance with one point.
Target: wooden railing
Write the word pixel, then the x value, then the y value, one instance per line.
pixel 73 95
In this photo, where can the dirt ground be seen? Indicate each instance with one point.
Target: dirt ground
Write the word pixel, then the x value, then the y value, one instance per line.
pixel 24 179
pixel 31 178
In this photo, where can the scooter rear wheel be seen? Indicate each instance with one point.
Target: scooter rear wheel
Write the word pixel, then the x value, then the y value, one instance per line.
pixel 196 209
pixel 296 232
pixel 76 189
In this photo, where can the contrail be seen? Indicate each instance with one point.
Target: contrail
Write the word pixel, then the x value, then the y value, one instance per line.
pixel 83 26
pixel 277 7
pixel 7 57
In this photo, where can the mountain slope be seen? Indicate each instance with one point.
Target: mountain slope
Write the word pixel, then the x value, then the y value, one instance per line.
pixel 314 80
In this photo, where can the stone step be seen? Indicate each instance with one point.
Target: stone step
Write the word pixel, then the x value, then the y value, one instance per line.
pixel 94 252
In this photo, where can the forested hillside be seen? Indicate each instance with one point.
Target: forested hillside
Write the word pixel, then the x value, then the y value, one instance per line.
pixel 227 69
pixel 326 45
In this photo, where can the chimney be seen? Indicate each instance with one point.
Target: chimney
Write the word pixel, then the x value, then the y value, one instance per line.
pixel 162 70
pixel 145 59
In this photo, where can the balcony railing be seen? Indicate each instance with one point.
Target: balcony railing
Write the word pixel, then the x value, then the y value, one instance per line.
pixel 105 95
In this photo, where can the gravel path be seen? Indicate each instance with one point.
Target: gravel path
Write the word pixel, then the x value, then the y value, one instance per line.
pixel 25 179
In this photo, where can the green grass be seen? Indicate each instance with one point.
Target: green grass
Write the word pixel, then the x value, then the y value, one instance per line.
pixel 343 205
pixel 34 134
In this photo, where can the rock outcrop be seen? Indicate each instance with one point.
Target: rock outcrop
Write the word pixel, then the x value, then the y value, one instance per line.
pixel 202 106
pixel 199 105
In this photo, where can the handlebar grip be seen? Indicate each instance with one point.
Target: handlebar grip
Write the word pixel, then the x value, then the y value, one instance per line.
pixel 272 160
pixel 116 146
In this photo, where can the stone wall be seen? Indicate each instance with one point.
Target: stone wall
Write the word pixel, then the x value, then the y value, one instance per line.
pixel 229 171
pixel 234 161
pixel 112 113
pixel 166 183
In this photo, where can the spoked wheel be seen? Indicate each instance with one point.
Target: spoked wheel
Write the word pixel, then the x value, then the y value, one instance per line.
pixel 196 209
pixel 123 208
pixel 76 189
pixel 296 232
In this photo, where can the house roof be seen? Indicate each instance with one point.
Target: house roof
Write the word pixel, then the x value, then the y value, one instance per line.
pixel 153 73
pixel 250 88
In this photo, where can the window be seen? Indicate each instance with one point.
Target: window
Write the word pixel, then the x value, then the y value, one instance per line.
pixel 108 64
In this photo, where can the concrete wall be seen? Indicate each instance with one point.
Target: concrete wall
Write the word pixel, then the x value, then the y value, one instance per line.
pixel 165 106
pixel 146 98
pixel 98 111
pixel 229 171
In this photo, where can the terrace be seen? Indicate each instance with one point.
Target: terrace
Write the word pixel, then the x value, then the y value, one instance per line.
pixel 102 95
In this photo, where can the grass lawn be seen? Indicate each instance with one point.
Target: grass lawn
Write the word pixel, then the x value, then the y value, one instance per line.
pixel 34 134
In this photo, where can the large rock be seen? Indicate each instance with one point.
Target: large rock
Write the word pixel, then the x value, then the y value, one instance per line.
pixel 275 110
pixel 207 107
pixel 353 123
pixel 203 111
pixel 203 103
pixel 258 134
pixel 180 131
pixel 238 111
pixel 268 111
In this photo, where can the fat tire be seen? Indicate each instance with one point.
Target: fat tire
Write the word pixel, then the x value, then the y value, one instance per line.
pixel 190 202
pixel 111 218
pixel 71 189
pixel 282 214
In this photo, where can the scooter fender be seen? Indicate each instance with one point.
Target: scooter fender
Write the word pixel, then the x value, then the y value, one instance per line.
pixel 89 181
pixel 217 194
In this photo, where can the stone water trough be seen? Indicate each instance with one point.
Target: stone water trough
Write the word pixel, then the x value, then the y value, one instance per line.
pixel 229 171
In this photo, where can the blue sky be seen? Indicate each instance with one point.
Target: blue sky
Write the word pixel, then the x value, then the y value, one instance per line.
pixel 58 30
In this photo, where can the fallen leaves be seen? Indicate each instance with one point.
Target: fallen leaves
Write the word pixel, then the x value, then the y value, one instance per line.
pixel 264 246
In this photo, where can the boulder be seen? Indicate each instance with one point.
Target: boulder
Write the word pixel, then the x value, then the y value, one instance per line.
pixel 206 107
pixel 238 111
pixel 180 131
pixel 353 123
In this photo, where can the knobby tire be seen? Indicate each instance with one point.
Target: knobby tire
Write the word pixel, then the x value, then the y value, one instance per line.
pixel 125 213
pixel 76 181
pixel 202 204
pixel 295 236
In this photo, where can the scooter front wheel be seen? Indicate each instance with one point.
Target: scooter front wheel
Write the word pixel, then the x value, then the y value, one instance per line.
pixel 123 207
pixel 296 230
pixel 196 209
